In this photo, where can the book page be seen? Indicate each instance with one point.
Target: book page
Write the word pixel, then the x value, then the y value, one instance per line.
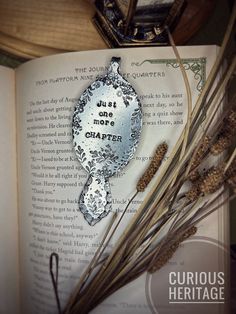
pixel 51 179
pixel 9 264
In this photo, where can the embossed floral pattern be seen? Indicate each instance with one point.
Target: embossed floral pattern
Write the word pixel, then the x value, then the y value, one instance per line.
pixel 105 155
pixel 104 149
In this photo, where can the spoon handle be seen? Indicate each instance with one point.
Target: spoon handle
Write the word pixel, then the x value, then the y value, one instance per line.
pixel 95 199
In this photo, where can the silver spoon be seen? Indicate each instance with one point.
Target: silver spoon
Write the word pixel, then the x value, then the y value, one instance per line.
pixel 106 128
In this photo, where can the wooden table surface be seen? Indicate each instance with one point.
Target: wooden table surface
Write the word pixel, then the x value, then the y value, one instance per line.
pixel 34 28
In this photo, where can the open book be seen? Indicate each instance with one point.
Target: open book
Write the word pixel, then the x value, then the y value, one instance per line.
pixel 41 179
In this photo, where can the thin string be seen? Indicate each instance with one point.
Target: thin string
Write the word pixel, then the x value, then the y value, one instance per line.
pixel 55 256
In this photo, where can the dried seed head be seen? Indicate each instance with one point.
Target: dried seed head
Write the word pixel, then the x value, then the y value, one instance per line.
pixel 171 249
pixel 231 119
pixel 193 194
pixel 162 260
pixel 212 180
pixel 229 123
pixel 153 167
pixel 226 134
pixel 203 148
pixel 189 232
pixel 223 142
pixel 194 175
